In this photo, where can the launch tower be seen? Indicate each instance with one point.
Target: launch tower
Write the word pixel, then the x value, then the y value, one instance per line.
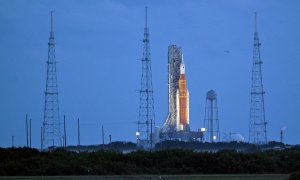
pixel 51 135
pixel 174 61
pixel 257 127
pixel 178 115
pixel 146 111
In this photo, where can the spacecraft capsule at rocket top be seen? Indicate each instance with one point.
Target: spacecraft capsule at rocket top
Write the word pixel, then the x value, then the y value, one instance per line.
pixel 182 66
pixel 183 98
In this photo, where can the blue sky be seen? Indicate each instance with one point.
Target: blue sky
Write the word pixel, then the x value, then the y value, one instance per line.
pixel 98 47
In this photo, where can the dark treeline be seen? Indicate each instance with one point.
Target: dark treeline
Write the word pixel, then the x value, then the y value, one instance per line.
pixel 25 161
pixel 115 146
pixel 207 146
pixel 171 144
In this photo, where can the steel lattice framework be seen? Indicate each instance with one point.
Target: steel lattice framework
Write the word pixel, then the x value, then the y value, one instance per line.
pixel 51 135
pixel 257 127
pixel 146 110
pixel 174 61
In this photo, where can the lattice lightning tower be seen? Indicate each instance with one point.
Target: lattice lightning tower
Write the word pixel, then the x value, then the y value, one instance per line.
pixel 146 110
pixel 257 128
pixel 51 125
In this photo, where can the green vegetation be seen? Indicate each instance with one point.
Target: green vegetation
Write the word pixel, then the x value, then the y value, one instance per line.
pixel 147 177
pixel 31 162
pixel 207 146
pixel 295 176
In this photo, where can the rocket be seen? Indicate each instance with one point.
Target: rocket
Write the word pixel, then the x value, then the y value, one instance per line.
pixel 182 101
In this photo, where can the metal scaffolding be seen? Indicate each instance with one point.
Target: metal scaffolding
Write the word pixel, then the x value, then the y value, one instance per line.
pixel 174 61
pixel 257 126
pixel 146 110
pixel 51 125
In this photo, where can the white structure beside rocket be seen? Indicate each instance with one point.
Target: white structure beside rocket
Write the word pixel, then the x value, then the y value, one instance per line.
pixel 178 115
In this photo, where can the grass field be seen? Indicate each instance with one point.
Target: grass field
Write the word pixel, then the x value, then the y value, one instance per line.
pixel 176 177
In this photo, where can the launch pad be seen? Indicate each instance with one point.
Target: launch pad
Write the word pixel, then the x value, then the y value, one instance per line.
pixel 186 136
pixel 177 123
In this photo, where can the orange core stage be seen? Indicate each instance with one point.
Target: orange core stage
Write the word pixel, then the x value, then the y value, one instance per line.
pixel 183 100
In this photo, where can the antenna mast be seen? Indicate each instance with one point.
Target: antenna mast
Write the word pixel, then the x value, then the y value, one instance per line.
pixel 26 131
pixel 78 132
pixel 146 109
pixel 51 124
pixel 257 127
pixel 51 21
pixel 255 22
